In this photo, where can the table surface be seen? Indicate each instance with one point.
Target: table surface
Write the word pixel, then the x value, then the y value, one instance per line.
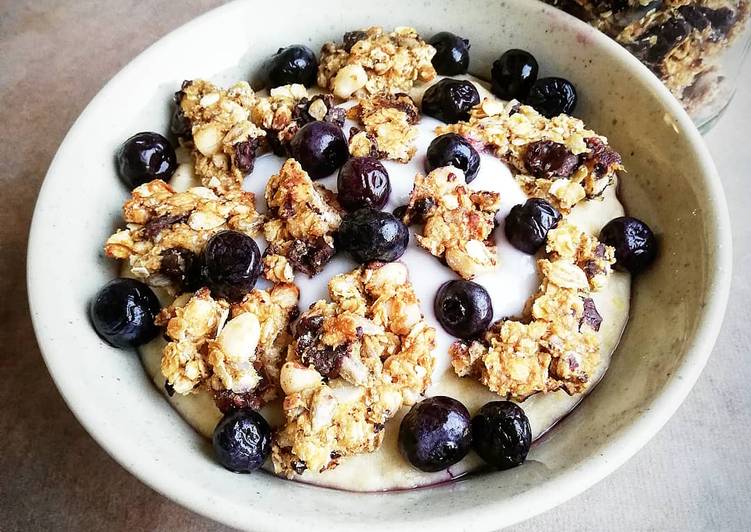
pixel 54 57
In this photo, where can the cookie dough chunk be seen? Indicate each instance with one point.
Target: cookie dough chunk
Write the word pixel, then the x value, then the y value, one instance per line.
pixel 372 61
pixel 353 363
pixel 233 352
pixel 457 221
pixel 223 139
pixel 558 159
pixel 389 121
pixel 303 218
pixel 555 347
pixel 165 230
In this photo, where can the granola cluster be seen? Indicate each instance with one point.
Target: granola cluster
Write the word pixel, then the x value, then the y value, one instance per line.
pixel 555 346
pixel 389 121
pixel 457 221
pixel 353 363
pixel 165 229
pixel 679 40
pixel 234 351
pixel 303 218
pixel 372 61
pixel 224 138
pixel 557 159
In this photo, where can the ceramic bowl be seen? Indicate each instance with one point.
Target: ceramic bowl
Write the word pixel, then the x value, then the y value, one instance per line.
pixel 676 310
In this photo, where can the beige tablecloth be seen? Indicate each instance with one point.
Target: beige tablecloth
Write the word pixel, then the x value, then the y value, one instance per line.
pixel 54 56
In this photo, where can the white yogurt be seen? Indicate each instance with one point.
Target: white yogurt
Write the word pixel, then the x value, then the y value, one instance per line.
pixel 510 286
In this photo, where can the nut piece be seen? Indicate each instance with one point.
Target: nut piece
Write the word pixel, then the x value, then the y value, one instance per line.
pixel 389 122
pixel 303 219
pixel 376 63
pixel 457 221
pixel 353 363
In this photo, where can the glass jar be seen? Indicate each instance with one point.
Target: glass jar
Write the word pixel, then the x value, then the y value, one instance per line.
pixel 696 47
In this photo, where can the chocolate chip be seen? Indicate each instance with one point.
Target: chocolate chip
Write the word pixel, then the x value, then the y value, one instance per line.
pixel 661 40
pixel 299 466
pixel 156 225
pixel 310 257
pixel 721 20
pixel 169 388
pixel 351 37
pixel 601 157
pixel 182 266
pixel 591 317
pixel 694 16
pixel 245 155
pixel 549 160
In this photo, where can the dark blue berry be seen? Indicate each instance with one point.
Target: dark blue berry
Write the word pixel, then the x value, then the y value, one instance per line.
pixel 363 182
pixel 320 148
pixel 634 242
pixel 123 313
pixel 231 264
pixel 371 235
pixel 454 150
pixel 452 53
pixel 552 96
pixel 527 225
pixel 144 157
pixel 501 434
pixel 450 100
pixel 242 441
pixel 463 308
pixel 293 64
pixel 513 74
pixel 435 434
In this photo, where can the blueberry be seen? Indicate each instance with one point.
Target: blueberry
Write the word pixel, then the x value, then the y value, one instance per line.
pixel 451 53
pixel 123 313
pixel 231 264
pixel 501 434
pixel 634 242
pixel 293 64
pixel 371 235
pixel 450 100
pixel 435 434
pixel 455 150
pixel 527 225
pixel 513 74
pixel 320 148
pixel 242 441
pixel 552 96
pixel 463 308
pixel 144 157
pixel 363 182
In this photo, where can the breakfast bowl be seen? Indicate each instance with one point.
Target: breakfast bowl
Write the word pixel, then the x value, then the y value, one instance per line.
pixel 676 307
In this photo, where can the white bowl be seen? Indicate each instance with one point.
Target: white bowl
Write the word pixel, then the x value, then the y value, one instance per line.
pixel 677 307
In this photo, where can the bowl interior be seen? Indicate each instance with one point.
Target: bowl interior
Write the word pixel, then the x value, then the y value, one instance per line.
pixel 676 307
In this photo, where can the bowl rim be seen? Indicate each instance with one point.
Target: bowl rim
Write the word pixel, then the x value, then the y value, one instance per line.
pixel 621 446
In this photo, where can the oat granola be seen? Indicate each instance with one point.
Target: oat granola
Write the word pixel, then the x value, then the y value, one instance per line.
pixel 457 221
pixel 558 159
pixel 353 363
pixel 372 61
pixel 555 346
pixel 303 218
pixel 234 352
pixel 389 121
pixel 166 229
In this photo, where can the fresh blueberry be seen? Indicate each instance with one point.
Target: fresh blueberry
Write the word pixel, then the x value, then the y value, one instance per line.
pixel 231 264
pixel 371 235
pixel 293 64
pixel 320 148
pixel 451 53
pixel 435 434
pixel 463 308
pixel 513 74
pixel 450 100
pixel 501 434
pixel 455 150
pixel 527 225
pixel 144 157
pixel 123 313
pixel 552 96
pixel 634 242
pixel 363 182
pixel 242 441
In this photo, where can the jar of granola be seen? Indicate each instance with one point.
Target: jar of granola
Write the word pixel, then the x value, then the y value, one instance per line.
pixel 696 47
